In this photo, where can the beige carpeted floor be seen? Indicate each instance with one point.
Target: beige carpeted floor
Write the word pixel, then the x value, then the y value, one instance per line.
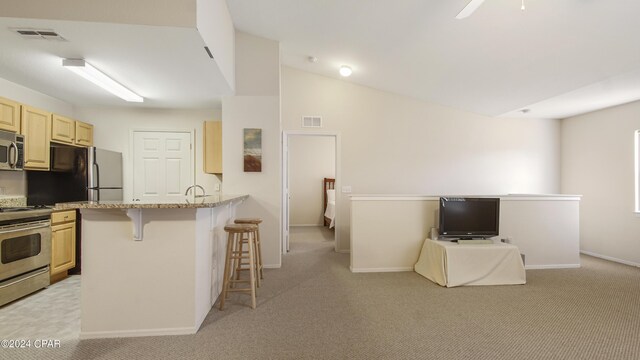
pixel 315 308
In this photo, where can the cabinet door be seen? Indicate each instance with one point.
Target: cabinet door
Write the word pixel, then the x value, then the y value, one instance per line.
pixel 9 115
pixel 63 247
pixel 62 129
pixel 36 128
pixel 213 147
pixel 84 134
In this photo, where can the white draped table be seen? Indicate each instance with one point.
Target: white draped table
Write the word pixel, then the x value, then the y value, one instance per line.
pixel 451 264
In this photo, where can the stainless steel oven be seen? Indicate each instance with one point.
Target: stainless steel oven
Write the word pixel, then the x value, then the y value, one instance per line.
pixel 25 252
pixel 11 151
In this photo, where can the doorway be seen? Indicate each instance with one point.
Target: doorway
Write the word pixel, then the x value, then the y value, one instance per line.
pixel 308 158
pixel 163 165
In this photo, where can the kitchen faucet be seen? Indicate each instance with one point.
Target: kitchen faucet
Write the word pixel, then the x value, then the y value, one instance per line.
pixel 194 192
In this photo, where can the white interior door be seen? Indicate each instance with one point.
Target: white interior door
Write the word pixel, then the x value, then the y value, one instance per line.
pixel 162 165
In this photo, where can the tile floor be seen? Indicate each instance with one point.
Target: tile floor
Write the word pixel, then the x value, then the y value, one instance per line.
pixel 53 312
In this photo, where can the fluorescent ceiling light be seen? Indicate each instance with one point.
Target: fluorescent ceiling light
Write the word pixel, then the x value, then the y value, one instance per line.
pixel 345 70
pixel 469 9
pixel 84 69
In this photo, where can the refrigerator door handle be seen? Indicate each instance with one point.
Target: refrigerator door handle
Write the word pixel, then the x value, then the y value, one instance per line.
pixel 97 181
pixel 97 175
pixel 94 182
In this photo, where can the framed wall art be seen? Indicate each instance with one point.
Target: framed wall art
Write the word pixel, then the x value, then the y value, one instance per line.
pixel 252 150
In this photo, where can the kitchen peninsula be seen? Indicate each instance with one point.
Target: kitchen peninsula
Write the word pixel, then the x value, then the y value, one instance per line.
pixel 151 268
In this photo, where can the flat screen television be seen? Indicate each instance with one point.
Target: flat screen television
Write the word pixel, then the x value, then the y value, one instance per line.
pixel 469 218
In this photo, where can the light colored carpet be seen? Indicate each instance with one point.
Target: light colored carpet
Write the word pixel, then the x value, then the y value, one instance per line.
pixel 315 308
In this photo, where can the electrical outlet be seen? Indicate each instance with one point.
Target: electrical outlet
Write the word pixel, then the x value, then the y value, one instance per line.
pixel 346 189
pixel 217 187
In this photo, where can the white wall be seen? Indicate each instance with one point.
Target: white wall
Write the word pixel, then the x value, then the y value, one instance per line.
pixel 113 127
pixel 14 182
pixel 544 228
pixel 216 28
pixel 24 95
pixel 256 105
pixel 395 144
pixel 311 159
pixel 598 162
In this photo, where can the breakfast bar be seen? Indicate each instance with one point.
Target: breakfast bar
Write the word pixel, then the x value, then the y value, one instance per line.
pixel 151 269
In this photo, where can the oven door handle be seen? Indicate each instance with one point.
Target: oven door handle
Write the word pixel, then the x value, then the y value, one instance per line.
pixel 15 228
pixel 21 279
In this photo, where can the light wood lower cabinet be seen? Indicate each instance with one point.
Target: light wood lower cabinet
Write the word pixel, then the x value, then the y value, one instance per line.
pixel 63 243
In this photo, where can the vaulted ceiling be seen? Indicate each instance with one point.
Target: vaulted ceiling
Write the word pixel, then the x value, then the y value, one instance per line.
pixel 556 58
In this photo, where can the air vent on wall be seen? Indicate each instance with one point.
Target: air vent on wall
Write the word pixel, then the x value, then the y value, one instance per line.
pixel 206 48
pixel 41 34
pixel 312 121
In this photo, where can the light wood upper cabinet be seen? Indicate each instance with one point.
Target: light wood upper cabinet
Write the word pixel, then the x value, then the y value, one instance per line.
pixel 63 241
pixel 62 129
pixel 72 132
pixel 36 128
pixel 9 115
pixel 84 134
pixel 213 147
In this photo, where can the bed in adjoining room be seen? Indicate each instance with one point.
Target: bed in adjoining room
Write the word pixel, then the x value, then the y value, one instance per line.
pixel 329 193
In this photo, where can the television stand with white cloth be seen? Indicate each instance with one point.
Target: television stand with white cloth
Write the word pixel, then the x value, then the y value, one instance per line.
pixel 450 264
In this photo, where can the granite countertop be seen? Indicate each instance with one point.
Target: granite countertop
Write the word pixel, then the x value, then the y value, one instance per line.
pixel 12 201
pixel 207 201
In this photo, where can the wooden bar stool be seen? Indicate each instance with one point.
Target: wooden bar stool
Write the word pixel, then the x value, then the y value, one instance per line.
pixel 258 247
pixel 236 257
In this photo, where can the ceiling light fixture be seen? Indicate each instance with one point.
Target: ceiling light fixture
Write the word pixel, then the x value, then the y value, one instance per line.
pixel 345 71
pixel 522 7
pixel 84 69
pixel 469 9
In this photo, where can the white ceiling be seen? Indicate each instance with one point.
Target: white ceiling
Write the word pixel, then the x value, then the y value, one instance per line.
pixel 556 58
pixel 168 66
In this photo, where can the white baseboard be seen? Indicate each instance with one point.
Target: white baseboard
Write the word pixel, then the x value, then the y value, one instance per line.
pixel 342 251
pixel 276 266
pixel 552 266
pixel 400 269
pixel 369 270
pixel 307 225
pixel 136 333
pixel 610 258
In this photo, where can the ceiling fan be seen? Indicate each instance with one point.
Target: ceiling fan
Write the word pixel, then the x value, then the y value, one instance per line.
pixel 472 6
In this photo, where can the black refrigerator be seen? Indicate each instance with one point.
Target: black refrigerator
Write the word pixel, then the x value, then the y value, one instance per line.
pixel 77 174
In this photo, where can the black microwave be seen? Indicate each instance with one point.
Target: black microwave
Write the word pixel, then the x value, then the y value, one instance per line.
pixel 11 151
